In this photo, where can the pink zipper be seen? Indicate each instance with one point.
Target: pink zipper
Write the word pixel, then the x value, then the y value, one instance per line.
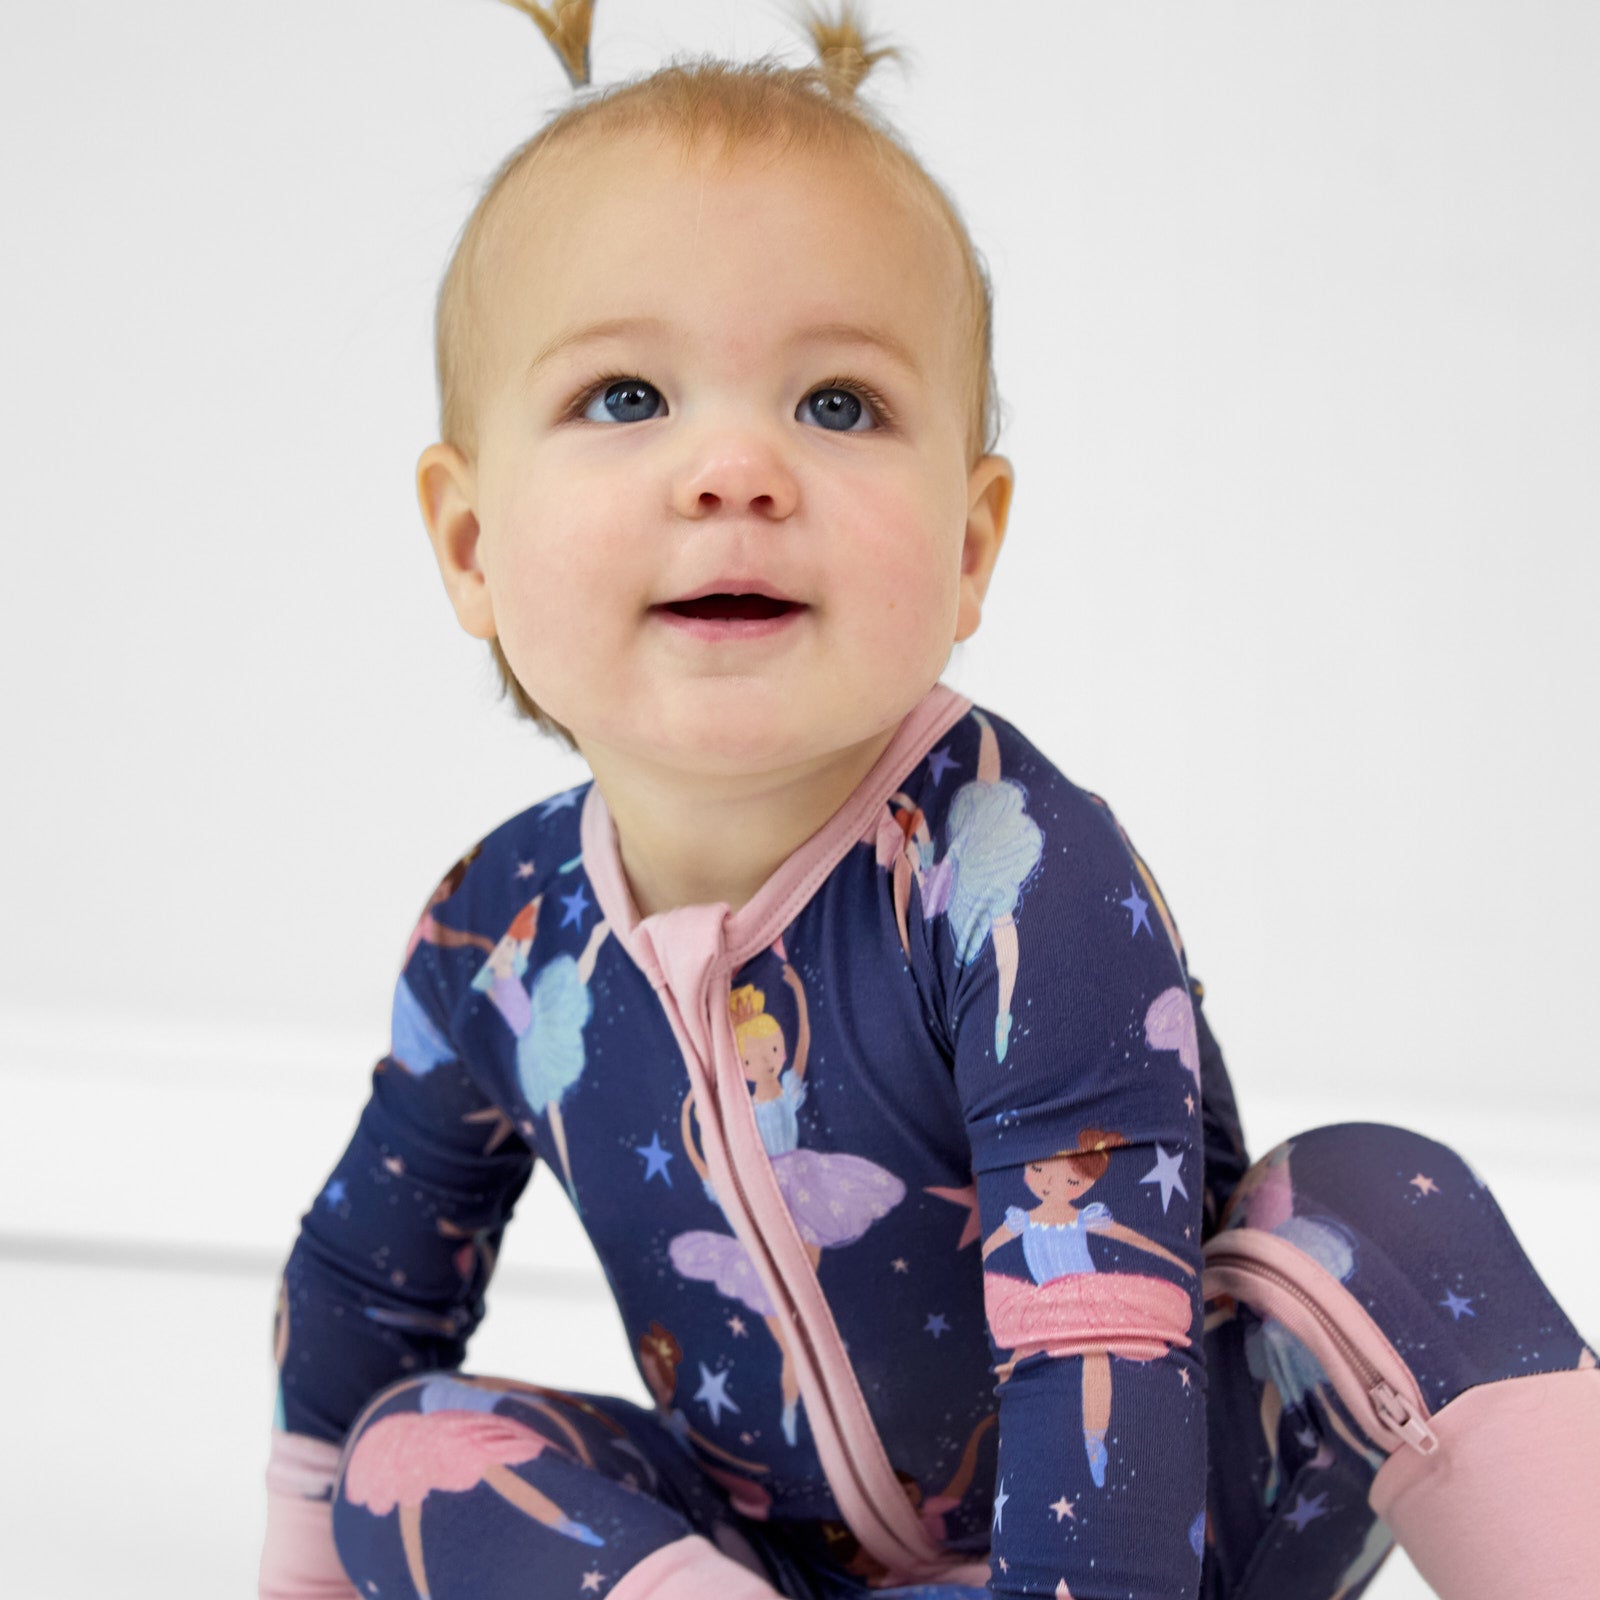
pixel 1278 1280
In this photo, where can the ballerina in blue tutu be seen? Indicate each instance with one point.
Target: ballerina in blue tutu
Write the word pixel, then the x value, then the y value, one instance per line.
pixel 992 845
pixel 548 1020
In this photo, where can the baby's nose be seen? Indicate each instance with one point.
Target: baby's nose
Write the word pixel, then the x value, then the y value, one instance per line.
pixel 738 473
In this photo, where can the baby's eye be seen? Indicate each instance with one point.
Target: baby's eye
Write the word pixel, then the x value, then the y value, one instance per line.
pixel 838 407
pixel 623 400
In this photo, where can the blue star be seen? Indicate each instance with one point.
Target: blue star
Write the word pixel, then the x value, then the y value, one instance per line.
pixel 656 1157
pixel 1000 1498
pixel 936 1324
pixel 712 1392
pixel 335 1192
pixel 1140 907
pixel 1456 1304
pixel 939 763
pixel 1166 1173
pixel 576 905
pixel 1306 1511
pixel 559 802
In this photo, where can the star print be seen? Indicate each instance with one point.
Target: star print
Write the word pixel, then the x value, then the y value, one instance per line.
pixel 737 1328
pixel 1000 1498
pixel 967 1197
pixel 1183 1376
pixel 656 1157
pixel 939 763
pixel 711 1391
pixel 1165 1172
pixel 1426 1185
pixel 335 1193
pixel 747 1438
pixel 900 1264
pixel 1188 1100
pixel 1005 1566
pixel 499 1124
pixel 1140 907
pixel 1306 1511
pixel 591 1582
pixel 1456 1305
pixel 525 869
pixel 559 802
pixel 576 905
pixel 1063 1508
pixel 936 1324
pixel 1062 1591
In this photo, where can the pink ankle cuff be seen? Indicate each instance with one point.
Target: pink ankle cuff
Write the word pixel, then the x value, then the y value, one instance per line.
pixel 692 1568
pixel 1507 1504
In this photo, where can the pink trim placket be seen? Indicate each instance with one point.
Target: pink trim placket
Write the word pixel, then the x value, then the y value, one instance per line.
pixel 690 955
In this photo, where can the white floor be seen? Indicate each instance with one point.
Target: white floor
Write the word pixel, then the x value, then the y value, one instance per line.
pixel 139 1240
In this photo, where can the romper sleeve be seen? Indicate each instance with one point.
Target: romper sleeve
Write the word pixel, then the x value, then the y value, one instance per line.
pixel 1067 1009
pixel 388 1273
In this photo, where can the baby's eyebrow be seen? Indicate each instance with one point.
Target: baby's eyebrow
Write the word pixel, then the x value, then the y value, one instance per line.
pixel 816 333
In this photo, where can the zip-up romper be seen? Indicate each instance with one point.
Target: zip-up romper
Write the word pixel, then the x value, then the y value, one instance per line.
pixel 900 1176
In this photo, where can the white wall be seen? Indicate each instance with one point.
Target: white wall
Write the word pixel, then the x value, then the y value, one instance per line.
pixel 1297 333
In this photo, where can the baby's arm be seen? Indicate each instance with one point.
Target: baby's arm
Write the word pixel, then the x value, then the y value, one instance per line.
pixel 1101 1472
pixel 387 1277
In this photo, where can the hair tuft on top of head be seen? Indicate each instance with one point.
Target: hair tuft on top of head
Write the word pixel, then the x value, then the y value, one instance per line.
pixel 847 57
pixel 568 32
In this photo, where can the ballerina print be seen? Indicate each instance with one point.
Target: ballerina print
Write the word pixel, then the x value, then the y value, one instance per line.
pixel 1290 1376
pixel 1070 1307
pixel 455 1442
pixel 660 1355
pixel 833 1197
pixel 992 846
pixel 548 1020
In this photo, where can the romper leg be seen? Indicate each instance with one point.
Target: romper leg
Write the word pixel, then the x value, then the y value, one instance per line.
pixel 460 1488
pixel 1407 1244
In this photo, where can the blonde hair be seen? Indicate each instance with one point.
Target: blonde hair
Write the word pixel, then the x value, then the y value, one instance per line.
pixel 759 105
pixel 747 1006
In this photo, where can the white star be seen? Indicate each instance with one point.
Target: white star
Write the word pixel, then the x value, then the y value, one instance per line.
pixel 591 1582
pixel 736 1327
pixel 899 1264
pixel 1166 1173
pixel 1000 1498
pixel 1063 1508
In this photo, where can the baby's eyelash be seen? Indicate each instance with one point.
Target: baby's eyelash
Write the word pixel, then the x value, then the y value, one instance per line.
pixel 863 391
pixel 594 387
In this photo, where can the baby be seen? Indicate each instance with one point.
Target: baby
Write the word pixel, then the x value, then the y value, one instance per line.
pixel 830 998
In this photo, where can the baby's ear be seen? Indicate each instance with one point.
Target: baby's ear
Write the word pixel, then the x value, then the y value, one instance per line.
pixel 989 488
pixel 447 493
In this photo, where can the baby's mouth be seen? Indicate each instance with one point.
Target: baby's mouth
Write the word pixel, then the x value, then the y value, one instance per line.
pixel 732 607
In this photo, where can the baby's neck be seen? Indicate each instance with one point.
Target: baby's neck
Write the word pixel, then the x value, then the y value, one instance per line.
pixel 690 840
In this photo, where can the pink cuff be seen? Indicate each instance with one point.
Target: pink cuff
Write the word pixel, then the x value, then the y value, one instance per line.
pixel 1506 1504
pixel 691 1568
pixel 298 1560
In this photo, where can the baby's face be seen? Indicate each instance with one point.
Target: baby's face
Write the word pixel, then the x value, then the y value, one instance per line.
pixel 677 410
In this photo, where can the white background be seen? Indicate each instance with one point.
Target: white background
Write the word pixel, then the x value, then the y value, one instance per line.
pixel 1297 333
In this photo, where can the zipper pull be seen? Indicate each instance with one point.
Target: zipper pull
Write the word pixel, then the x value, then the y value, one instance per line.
pixel 1394 1410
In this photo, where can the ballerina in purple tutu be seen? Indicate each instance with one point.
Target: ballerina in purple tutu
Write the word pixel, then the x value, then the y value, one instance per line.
pixel 832 1196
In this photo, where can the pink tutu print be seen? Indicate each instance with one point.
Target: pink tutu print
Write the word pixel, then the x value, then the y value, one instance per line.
pixel 834 1198
pixel 1123 1313
pixel 403 1456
